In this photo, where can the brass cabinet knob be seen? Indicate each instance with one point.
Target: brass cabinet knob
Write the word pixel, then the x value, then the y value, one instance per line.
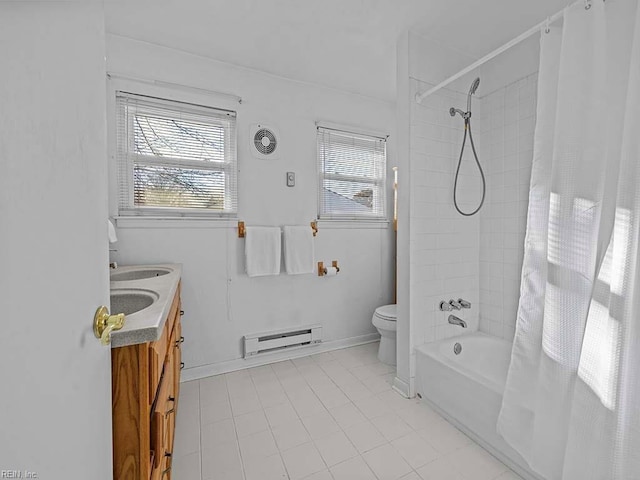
pixel 104 324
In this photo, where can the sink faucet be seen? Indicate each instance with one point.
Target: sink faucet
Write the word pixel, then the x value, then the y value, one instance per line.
pixel 453 320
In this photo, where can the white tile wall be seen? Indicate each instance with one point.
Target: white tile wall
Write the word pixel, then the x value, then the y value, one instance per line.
pixel 507 126
pixel 477 258
pixel 444 245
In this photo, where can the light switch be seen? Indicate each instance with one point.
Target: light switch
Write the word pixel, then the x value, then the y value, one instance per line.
pixel 291 179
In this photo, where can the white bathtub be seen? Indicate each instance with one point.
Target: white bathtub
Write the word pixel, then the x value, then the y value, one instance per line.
pixel 467 389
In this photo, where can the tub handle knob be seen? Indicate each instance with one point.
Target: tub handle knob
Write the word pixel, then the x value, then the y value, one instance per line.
pixel 464 303
pixel 454 304
pixel 445 307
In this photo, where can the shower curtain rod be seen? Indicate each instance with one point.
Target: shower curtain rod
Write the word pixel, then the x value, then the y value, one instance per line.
pixel 498 51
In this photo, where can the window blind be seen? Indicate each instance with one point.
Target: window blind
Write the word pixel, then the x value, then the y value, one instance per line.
pixel 352 175
pixel 175 159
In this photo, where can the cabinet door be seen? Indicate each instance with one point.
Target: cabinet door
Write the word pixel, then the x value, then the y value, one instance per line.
pixel 177 357
pixel 169 411
pixel 160 435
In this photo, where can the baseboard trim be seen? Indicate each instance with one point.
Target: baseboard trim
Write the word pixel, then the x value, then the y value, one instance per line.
pixel 204 371
pixel 401 387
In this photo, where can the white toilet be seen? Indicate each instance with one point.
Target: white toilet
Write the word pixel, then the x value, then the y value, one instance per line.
pixel 384 319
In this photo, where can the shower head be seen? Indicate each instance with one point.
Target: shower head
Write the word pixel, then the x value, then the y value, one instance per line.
pixel 474 86
pixel 472 91
pixel 466 115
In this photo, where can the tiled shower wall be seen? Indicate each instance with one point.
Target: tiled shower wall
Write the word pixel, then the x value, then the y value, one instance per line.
pixel 507 126
pixel 477 258
pixel 444 246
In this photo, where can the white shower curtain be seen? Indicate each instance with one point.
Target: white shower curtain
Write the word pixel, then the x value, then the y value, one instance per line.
pixel 571 406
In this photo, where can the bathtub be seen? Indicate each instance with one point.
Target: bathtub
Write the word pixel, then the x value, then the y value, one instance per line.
pixel 467 389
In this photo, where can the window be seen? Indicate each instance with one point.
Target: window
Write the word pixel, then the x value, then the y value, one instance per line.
pixel 175 159
pixel 352 175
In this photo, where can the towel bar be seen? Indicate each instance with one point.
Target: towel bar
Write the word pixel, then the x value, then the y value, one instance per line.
pixel 242 231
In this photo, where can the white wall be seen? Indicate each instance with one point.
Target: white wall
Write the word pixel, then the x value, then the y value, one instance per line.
pixel 221 302
pixel 405 365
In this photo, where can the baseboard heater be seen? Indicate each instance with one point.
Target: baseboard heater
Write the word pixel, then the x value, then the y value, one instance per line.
pixel 281 339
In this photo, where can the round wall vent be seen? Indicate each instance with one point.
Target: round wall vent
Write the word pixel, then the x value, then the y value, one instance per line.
pixel 264 141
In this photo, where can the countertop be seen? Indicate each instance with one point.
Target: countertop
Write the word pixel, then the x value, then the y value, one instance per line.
pixel 146 325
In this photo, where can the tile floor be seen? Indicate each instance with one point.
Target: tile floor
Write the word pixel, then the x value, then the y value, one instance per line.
pixel 331 416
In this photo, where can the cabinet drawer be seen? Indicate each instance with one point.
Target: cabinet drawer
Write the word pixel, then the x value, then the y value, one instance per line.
pixel 159 349
pixel 162 424
pixel 158 432
pixel 157 355
pixel 165 473
pixel 163 470
pixel 158 420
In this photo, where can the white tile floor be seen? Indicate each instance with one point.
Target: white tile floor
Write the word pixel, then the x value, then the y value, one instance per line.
pixel 331 416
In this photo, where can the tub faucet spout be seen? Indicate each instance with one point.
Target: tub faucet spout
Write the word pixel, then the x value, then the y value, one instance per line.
pixel 453 320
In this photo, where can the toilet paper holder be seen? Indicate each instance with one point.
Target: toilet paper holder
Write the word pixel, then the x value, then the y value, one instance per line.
pixel 322 270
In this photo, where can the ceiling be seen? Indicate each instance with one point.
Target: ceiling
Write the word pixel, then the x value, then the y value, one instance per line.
pixel 344 44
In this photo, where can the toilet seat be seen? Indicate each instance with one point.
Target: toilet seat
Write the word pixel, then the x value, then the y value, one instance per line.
pixel 387 312
pixel 385 317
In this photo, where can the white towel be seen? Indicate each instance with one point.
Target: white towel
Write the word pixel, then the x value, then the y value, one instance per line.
pixel 298 250
pixel 262 248
pixel 113 238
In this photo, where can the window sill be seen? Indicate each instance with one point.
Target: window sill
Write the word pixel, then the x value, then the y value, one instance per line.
pixel 209 222
pixel 353 224
pixel 174 222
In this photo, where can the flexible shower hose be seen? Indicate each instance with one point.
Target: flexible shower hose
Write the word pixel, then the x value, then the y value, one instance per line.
pixel 467 127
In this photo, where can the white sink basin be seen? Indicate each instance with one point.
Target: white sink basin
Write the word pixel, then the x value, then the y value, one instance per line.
pixel 129 301
pixel 144 293
pixel 138 274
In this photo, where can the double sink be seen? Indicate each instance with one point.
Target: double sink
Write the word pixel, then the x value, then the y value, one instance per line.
pixel 132 300
pixel 144 294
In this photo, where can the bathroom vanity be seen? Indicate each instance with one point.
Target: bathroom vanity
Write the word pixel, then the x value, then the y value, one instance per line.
pixel 145 366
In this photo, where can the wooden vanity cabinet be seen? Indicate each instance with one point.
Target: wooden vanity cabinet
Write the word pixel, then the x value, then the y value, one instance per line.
pixel 145 389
